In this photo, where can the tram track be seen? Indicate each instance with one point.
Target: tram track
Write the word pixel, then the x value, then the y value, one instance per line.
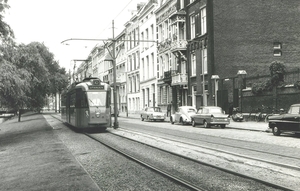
pixel 175 139
pixel 175 178
pixel 172 177
pixel 273 185
pixel 186 183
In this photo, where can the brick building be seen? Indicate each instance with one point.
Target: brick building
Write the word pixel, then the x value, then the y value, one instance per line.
pixel 240 35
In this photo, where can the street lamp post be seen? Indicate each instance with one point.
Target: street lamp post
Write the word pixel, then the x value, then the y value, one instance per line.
pixel 242 74
pixel 216 78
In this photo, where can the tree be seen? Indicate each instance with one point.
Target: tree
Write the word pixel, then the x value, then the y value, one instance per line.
pixel 29 75
pixel 28 72
pixel 13 86
pixel 277 71
pixel 6 33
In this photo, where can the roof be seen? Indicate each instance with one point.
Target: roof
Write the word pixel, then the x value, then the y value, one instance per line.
pixel 296 104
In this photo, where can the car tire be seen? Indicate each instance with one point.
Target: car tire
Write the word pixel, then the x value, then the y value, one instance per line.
pixel 182 122
pixel 193 123
pixel 276 131
pixel 206 125
pixel 223 126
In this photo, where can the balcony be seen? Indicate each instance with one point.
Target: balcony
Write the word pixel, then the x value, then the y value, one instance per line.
pixel 179 79
pixel 178 45
pixel 168 77
pixel 121 77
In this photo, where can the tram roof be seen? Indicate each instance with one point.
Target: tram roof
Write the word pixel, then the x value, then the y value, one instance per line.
pixel 85 83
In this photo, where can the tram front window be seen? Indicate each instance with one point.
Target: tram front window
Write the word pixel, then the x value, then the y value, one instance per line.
pixel 96 98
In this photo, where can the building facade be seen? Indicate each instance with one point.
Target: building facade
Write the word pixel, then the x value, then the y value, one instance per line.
pixel 133 63
pixel 198 40
pixel 172 73
pixel 148 55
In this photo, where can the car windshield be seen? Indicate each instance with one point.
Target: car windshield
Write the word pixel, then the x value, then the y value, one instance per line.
pixel 215 110
pixel 191 110
pixel 154 109
pixel 157 109
pixel 96 98
pixel 294 110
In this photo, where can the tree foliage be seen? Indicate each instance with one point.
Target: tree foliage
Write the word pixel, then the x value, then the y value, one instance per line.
pixel 6 33
pixel 29 72
pixel 277 71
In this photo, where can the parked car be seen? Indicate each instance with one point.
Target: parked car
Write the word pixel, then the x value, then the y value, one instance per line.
pixel 153 113
pixel 210 115
pixel 288 122
pixel 183 115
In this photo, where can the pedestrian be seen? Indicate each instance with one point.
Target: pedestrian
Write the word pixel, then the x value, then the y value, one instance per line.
pixel 169 107
pixel 230 109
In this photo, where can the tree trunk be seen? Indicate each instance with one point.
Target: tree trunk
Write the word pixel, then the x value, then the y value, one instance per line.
pixel 19 116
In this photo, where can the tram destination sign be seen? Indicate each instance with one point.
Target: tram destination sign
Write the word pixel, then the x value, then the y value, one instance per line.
pixel 96 87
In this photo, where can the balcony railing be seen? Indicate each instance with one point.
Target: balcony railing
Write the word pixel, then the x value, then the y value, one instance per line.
pixel 179 79
pixel 178 45
pixel 121 77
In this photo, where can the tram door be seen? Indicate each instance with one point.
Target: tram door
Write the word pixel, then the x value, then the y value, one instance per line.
pixel 72 110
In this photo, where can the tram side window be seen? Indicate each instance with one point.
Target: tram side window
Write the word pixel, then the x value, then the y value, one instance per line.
pixel 80 99
pixel 72 100
pixel 84 100
pixel 63 100
pixel 108 99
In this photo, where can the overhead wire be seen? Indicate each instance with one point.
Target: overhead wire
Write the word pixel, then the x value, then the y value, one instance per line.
pixel 116 16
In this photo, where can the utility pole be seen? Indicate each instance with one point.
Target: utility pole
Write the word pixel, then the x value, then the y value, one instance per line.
pixel 116 123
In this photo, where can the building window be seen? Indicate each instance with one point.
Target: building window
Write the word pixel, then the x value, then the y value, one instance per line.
pixel 193 64
pixel 277 49
pixel 152 33
pixel 194 92
pixel 142 38
pixel 147 37
pixel 193 28
pixel 181 4
pixel 161 91
pixel 148 67
pixel 204 61
pixel 137 36
pixel 203 21
pixel 144 68
pixel 153 64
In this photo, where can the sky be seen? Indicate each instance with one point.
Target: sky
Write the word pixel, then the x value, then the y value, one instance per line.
pixel 53 21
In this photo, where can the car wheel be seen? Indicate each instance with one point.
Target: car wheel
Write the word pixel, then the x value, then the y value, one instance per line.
pixel 171 120
pixel 276 131
pixel 206 125
pixel 193 123
pixel 181 121
pixel 223 126
pixel 142 118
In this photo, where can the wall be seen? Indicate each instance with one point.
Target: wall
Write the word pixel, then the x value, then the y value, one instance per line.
pixel 245 30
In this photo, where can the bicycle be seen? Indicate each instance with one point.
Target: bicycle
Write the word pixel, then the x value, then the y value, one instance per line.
pixel 260 115
pixel 274 112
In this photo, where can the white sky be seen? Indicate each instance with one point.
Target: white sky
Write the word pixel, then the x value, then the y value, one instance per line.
pixel 53 21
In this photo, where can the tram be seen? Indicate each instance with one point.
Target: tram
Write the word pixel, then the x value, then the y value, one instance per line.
pixel 86 104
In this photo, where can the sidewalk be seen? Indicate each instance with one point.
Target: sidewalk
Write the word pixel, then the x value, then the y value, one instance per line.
pixel 244 125
pixel 32 157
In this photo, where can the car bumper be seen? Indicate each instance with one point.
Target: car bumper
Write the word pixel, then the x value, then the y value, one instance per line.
pixel 220 122
pixel 158 117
